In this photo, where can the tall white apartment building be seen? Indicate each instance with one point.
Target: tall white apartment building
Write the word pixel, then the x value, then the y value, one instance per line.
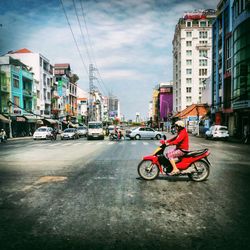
pixel 192 53
pixel 43 75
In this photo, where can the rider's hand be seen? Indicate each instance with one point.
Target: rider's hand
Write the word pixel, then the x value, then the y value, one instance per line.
pixel 162 141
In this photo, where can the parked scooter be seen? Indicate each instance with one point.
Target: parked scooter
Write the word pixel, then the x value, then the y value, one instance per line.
pixel 193 164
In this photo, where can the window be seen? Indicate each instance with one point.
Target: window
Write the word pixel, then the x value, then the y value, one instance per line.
pixel 203 42
pixel 202 72
pixel 203 34
pixel 188 89
pixel 16 81
pixel 203 53
pixel 189 34
pixel 203 62
pixel 203 23
pixel 189 62
pixel 188 24
pixel 188 80
pixel 188 99
pixel 17 100
pixel 188 71
pixel 188 43
pixel 202 81
pixel 189 52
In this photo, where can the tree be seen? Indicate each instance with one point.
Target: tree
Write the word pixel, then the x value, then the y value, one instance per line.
pixel 74 78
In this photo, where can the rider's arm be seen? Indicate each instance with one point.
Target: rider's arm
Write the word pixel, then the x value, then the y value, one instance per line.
pixel 172 139
pixel 177 139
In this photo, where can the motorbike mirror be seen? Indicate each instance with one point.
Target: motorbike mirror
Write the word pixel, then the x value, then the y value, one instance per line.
pixel 164 137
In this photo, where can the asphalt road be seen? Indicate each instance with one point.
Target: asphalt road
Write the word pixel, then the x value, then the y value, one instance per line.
pixel 87 195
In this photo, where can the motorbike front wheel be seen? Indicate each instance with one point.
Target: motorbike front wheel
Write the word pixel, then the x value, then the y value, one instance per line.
pixel 148 170
pixel 201 171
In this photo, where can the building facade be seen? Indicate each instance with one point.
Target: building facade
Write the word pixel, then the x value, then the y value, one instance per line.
pixel 43 76
pixel 192 53
pixel 231 66
pixel 17 96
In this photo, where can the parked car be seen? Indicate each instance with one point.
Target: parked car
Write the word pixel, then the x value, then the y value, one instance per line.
pixel 69 133
pixel 142 133
pixel 43 133
pixel 82 131
pixel 217 131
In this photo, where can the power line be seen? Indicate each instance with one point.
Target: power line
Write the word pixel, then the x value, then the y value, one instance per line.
pixel 79 52
pixel 83 37
pixel 91 47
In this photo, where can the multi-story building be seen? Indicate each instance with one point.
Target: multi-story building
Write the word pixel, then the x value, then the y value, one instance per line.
pixel 155 107
pixel 82 106
pixel 191 57
pixel 43 76
pixel 66 90
pixel 165 100
pixel 231 63
pixel 113 107
pixel 17 96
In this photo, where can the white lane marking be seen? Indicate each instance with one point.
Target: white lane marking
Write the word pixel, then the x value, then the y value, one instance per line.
pixel 53 145
pixel 145 143
pixel 133 143
pixel 110 143
pixel 66 144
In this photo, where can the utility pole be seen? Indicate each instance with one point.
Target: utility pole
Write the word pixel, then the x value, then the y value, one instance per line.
pixel 91 92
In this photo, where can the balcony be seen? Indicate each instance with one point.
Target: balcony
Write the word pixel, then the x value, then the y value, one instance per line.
pixel 5 88
pixel 27 92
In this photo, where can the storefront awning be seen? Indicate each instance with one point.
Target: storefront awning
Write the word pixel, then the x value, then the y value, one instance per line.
pixel 31 118
pixel 51 121
pixel 4 119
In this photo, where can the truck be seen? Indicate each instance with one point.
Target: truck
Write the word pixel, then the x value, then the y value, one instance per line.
pixel 95 130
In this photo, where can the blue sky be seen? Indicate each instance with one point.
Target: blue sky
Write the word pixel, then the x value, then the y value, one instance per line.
pixel 130 41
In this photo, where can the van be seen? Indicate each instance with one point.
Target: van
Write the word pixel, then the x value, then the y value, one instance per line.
pixel 95 130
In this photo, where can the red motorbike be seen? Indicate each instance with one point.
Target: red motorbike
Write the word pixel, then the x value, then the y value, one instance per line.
pixel 193 164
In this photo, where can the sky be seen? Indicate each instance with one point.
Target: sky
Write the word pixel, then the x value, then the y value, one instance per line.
pixel 128 41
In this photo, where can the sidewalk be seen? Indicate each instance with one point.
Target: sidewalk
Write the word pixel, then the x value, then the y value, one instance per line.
pixel 230 139
pixel 20 138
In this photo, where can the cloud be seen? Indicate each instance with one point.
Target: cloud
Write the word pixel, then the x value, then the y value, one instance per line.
pixel 131 41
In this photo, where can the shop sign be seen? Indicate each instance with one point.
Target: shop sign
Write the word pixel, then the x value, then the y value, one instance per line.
pixel 20 119
pixel 165 90
pixel 241 104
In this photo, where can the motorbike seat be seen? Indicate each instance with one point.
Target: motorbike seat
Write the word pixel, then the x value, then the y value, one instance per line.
pixel 194 153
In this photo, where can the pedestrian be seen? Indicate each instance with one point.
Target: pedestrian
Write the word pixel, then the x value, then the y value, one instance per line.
pixel 245 133
pixel 3 135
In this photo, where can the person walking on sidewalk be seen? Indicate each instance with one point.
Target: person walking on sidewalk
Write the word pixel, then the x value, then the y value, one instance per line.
pixel 3 136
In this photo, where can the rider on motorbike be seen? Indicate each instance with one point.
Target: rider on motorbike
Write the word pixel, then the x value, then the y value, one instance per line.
pixel 182 143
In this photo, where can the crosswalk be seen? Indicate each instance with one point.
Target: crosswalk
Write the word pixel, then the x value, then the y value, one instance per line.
pixel 95 143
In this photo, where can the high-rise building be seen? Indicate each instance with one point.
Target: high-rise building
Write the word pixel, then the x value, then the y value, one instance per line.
pixel 192 55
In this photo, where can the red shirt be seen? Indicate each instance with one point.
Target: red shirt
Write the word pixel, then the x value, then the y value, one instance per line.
pixel 181 140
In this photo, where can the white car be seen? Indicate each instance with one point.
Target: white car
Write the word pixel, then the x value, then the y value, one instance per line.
pixel 142 133
pixel 43 133
pixel 217 131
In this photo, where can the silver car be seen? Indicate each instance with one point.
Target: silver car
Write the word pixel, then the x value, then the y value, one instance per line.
pixel 82 131
pixel 69 133
pixel 143 133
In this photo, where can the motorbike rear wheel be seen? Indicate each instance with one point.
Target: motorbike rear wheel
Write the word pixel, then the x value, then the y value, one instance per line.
pixel 201 171
pixel 148 170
